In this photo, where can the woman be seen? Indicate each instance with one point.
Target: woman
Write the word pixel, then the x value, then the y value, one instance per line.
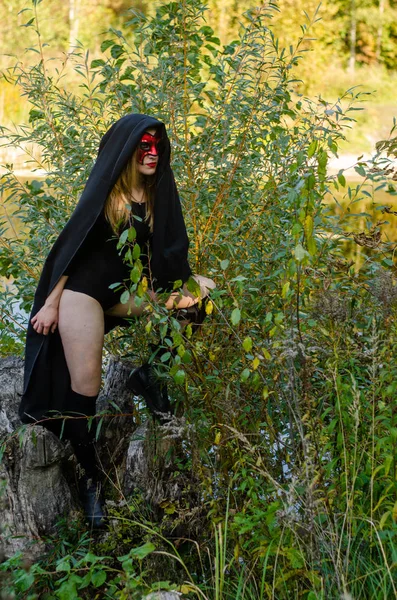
pixel 131 183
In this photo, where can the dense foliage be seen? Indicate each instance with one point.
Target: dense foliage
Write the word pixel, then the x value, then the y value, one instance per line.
pixel 371 22
pixel 289 390
pixel 355 41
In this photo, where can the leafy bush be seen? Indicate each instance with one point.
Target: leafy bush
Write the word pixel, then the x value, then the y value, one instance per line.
pixel 290 386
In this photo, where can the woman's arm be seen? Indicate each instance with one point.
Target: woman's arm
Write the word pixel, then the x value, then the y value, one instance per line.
pixel 46 319
pixel 176 300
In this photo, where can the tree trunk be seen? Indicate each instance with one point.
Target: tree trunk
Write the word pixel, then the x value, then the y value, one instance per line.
pixel 38 470
pixel 380 30
pixel 74 8
pixel 353 36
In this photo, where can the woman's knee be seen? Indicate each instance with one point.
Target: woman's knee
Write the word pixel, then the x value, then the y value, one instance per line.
pixel 86 373
pixel 87 382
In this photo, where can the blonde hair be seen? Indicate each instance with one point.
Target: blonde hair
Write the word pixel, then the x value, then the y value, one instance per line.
pixel 117 210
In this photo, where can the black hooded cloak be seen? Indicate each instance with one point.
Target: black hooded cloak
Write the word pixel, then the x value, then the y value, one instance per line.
pixel 47 379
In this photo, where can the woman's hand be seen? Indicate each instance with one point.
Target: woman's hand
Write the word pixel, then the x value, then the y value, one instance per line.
pixel 45 320
pixel 178 300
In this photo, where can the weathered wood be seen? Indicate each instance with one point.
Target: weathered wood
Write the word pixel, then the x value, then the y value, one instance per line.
pixel 11 383
pixel 164 596
pixel 38 490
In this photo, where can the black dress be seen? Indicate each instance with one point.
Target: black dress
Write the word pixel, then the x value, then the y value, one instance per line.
pixel 98 262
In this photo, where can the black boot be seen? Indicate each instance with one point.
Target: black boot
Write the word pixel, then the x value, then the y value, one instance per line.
pixel 82 439
pixel 144 382
pixel 194 315
pixel 90 492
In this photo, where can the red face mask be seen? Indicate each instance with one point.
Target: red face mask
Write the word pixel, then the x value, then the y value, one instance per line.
pixel 148 145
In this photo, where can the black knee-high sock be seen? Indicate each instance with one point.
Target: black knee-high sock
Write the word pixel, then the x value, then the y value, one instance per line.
pixel 79 434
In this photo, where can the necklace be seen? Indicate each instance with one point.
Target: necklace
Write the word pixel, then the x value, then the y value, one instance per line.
pixel 142 199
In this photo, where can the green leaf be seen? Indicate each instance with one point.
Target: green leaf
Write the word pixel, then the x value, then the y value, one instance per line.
pixel 312 148
pixel 179 377
pixel 387 464
pixel 24 581
pixel 244 375
pixel 387 262
pixel 125 296
pixel 187 357
pixel 360 170
pixel 309 226
pixel 68 588
pixel 123 237
pixel 29 23
pixel 247 344
pixel 85 582
pixel 342 179
pixel 224 264
pixel 98 578
pixel 106 44
pixel 285 290
pixel 135 274
pixel 136 251
pixel 295 557
pixel 193 287
pixel 322 158
pixel 310 181
pixel 177 284
pixel 63 565
pixel 235 316
pixel 116 51
pixel 35 115
pixel 311 246
pixel 140 552
pixel 144 550
pixel 300 252
pixel 131 233
pixel 138 300
pixel 98 62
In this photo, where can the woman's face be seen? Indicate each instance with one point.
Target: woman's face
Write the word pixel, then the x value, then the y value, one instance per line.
pixel 147 152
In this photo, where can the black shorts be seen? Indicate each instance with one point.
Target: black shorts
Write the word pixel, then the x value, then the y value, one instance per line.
pixel 94 276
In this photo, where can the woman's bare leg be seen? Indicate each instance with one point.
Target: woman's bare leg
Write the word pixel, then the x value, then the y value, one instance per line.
pixel 130 309
pixel 81 327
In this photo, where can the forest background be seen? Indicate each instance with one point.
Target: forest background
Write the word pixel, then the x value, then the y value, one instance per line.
pixel 287 396
pixel 355 43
